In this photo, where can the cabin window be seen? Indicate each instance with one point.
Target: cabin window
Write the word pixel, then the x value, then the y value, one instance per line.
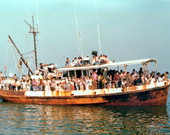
pixel 71 73
pixel 78 73
pixel 68 74
pixel 99 71
pixel 84 72
pixel 65 74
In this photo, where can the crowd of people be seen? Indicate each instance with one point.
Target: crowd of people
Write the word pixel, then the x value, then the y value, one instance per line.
pixel 81 61
pixel 48 78
pixel 98 79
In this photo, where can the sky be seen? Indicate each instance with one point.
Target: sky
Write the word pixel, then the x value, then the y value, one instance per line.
pixel 128 29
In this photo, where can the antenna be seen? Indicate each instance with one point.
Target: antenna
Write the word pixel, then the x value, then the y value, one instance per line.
pixel 34 32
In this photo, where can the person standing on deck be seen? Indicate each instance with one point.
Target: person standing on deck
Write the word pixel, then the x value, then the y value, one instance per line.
pixel 67 62
pixel 41 69
pixel 117 79
pixel 166 76
pixel 1 74
pixel 129 79
pixel 159 78
pixel 133 72
pixel 99 82
pixel 53 84
pixel 37 72
pixel 140 71
pixel 105 73
pixel 94 77
pixel 139 80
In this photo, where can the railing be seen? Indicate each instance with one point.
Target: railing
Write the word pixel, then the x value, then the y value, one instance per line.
pixel 91 86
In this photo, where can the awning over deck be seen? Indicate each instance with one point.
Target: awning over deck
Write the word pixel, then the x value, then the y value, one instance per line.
pixel 110 64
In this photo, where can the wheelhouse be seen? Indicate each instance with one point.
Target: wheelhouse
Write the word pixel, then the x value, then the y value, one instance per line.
pixel 87 69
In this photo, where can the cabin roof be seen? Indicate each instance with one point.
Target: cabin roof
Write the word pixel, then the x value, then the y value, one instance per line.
pixel 110 64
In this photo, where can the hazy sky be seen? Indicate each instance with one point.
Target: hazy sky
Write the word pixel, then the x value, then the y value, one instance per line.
pixel 129 29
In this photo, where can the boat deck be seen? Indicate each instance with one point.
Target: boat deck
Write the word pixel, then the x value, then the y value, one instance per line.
pixel 93 92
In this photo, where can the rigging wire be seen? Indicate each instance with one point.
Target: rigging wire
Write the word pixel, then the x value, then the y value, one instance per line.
pixel 31 55
pixel 62 57
pixel 12 61
pixel 6 63
pixel 16 60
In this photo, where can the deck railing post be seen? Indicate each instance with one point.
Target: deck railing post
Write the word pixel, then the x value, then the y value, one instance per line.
pixel 156 68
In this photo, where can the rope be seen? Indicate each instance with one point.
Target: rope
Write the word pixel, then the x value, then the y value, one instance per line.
pixel 62 57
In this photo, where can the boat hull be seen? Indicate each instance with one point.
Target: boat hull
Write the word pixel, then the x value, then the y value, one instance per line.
pixel 152 97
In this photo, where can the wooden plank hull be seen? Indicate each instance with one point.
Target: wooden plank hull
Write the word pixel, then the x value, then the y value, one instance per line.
pixel 19 97
pixel 152 97
pixel 57 101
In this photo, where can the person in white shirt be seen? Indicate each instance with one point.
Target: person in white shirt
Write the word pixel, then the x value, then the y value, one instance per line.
pixel 153 80
pixel 37 72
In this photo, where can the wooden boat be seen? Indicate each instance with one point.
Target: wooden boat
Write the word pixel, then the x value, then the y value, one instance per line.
pixel 144 95
pixel 154 94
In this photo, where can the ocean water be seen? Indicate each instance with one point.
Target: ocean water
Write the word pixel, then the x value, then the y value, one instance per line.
pixel 42 119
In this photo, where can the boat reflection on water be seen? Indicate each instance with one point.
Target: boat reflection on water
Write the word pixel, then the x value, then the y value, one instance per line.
pixel 84 119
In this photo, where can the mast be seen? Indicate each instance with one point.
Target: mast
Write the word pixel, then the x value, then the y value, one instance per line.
pixel 79 39
pixel 98 29
pixel 99 41
pixel 34 32
pixel 22 58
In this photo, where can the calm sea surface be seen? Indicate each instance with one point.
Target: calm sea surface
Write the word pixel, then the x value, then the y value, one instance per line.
pixel 41 119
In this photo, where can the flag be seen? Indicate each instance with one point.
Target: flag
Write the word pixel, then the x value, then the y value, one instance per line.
pixel 5 68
